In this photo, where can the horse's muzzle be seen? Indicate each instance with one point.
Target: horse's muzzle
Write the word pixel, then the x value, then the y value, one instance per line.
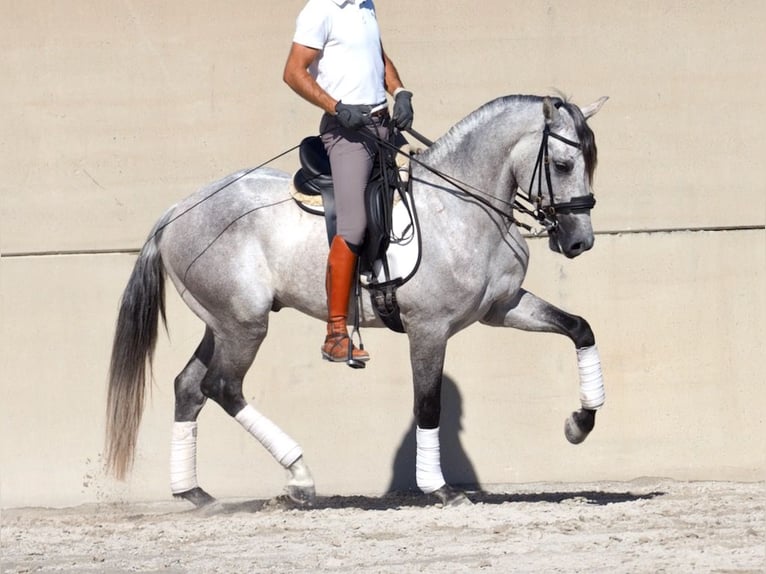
pixel 569 244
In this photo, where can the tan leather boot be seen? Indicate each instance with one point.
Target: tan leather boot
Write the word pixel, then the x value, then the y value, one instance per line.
pixel 341 263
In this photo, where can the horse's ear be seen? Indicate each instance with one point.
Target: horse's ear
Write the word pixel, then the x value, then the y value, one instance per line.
pixel 550 111
pixel 592 109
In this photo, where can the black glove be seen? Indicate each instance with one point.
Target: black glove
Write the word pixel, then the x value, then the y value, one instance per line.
pixel 351 116
pixel 403 113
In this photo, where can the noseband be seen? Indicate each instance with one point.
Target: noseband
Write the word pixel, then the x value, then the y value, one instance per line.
pixel 546 215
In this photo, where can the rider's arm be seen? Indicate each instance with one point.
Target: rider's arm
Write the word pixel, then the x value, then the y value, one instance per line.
pixel 391 78
pixel 296 75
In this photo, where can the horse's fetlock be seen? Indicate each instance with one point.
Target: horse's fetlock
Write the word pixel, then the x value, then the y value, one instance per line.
pixel 582 334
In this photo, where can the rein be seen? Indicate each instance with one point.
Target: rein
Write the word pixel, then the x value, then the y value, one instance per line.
pixel 535 208
pixel 523 202
pixel 545 215
pixel 464 187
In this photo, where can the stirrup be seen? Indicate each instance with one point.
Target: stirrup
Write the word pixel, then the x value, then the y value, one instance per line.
pixel 350 360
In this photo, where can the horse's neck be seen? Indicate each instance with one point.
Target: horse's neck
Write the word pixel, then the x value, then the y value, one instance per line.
pixel 478 154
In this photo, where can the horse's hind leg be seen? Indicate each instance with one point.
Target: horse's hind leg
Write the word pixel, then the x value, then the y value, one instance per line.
pixel 183 446
pixel 230 359
pixel 530 313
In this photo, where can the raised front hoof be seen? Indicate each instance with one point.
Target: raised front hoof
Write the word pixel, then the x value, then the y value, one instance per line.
pixel 301 496
pixel 449 496
pixel 196 496
pixel 578 425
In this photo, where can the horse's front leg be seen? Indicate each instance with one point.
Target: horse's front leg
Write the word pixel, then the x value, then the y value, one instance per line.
pixel 530 313
pixel 427 350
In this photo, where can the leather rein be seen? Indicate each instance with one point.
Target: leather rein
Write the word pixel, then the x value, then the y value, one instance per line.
pixel 526 203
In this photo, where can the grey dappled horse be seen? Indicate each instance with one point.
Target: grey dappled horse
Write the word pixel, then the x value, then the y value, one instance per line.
pixel 241 248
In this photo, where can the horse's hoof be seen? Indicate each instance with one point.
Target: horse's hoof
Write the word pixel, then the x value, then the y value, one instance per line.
pixel 300 486
pixel 449 496
pixel 196 496
pixel 301 495
pixel 578 425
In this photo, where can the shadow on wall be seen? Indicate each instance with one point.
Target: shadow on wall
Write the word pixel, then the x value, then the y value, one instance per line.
pixel 456 466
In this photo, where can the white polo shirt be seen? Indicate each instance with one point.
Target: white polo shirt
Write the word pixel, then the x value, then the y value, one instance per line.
pixel 350 66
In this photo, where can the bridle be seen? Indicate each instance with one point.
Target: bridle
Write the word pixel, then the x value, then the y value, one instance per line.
pixel 547 214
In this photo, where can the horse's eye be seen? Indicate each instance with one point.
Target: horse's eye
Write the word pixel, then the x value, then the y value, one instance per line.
pixel 563 166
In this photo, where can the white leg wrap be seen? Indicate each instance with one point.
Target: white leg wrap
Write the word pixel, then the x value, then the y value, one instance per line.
pixel 592 393
pixel 183 457
pixel 281 446
pixel 428 468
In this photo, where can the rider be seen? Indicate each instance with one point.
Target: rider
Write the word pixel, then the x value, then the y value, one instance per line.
pixel 337 63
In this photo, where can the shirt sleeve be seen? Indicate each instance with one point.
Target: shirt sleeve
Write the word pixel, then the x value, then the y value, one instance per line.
pixel 311 26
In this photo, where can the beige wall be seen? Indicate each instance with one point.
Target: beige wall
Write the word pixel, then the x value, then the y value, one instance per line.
pixel 115 110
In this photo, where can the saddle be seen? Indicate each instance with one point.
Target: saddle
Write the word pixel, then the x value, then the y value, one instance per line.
pixel 388 180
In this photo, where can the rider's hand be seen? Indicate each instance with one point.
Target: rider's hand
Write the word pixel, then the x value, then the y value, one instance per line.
pixel 403 113
pixel 351 116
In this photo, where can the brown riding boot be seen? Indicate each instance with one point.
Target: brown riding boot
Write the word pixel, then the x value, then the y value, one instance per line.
pixel 341 264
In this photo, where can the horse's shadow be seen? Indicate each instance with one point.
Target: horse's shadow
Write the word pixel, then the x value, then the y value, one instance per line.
pixel 457 468
pixel 400 499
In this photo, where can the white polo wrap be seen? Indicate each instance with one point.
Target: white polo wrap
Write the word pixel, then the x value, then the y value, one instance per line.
pixel 275 440
pixel 428 468
pixel 592 393
pixel 183 457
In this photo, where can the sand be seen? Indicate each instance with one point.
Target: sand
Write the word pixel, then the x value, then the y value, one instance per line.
pixel 647 525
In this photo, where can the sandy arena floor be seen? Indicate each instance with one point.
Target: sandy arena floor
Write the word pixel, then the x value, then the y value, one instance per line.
pixel 648 525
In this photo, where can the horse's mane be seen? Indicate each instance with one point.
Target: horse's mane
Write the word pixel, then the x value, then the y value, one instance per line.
pixel 500 105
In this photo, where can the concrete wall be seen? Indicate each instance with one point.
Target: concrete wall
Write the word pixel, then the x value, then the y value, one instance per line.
pixel 113 110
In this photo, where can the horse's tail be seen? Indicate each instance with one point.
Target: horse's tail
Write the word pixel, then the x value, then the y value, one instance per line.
pixel 142 304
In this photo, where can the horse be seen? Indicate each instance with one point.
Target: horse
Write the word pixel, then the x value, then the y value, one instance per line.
pixel 240 248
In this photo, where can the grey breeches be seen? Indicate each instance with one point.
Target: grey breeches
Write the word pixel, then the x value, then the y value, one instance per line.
pixel 351 158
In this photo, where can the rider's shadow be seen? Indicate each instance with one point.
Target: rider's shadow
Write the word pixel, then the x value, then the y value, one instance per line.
pixel 456 466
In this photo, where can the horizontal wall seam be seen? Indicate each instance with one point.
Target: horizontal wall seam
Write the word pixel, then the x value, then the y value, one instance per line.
pixel 134 251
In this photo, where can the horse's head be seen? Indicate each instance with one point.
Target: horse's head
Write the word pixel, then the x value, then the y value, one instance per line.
pixel 561 182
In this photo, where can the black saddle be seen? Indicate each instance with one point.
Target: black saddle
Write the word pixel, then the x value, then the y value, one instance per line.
pixel 315 174
pixel 314 178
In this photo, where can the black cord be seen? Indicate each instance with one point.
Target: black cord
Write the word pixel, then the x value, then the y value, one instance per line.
pixel 224 186
pixel 469 189
pixel 225 229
